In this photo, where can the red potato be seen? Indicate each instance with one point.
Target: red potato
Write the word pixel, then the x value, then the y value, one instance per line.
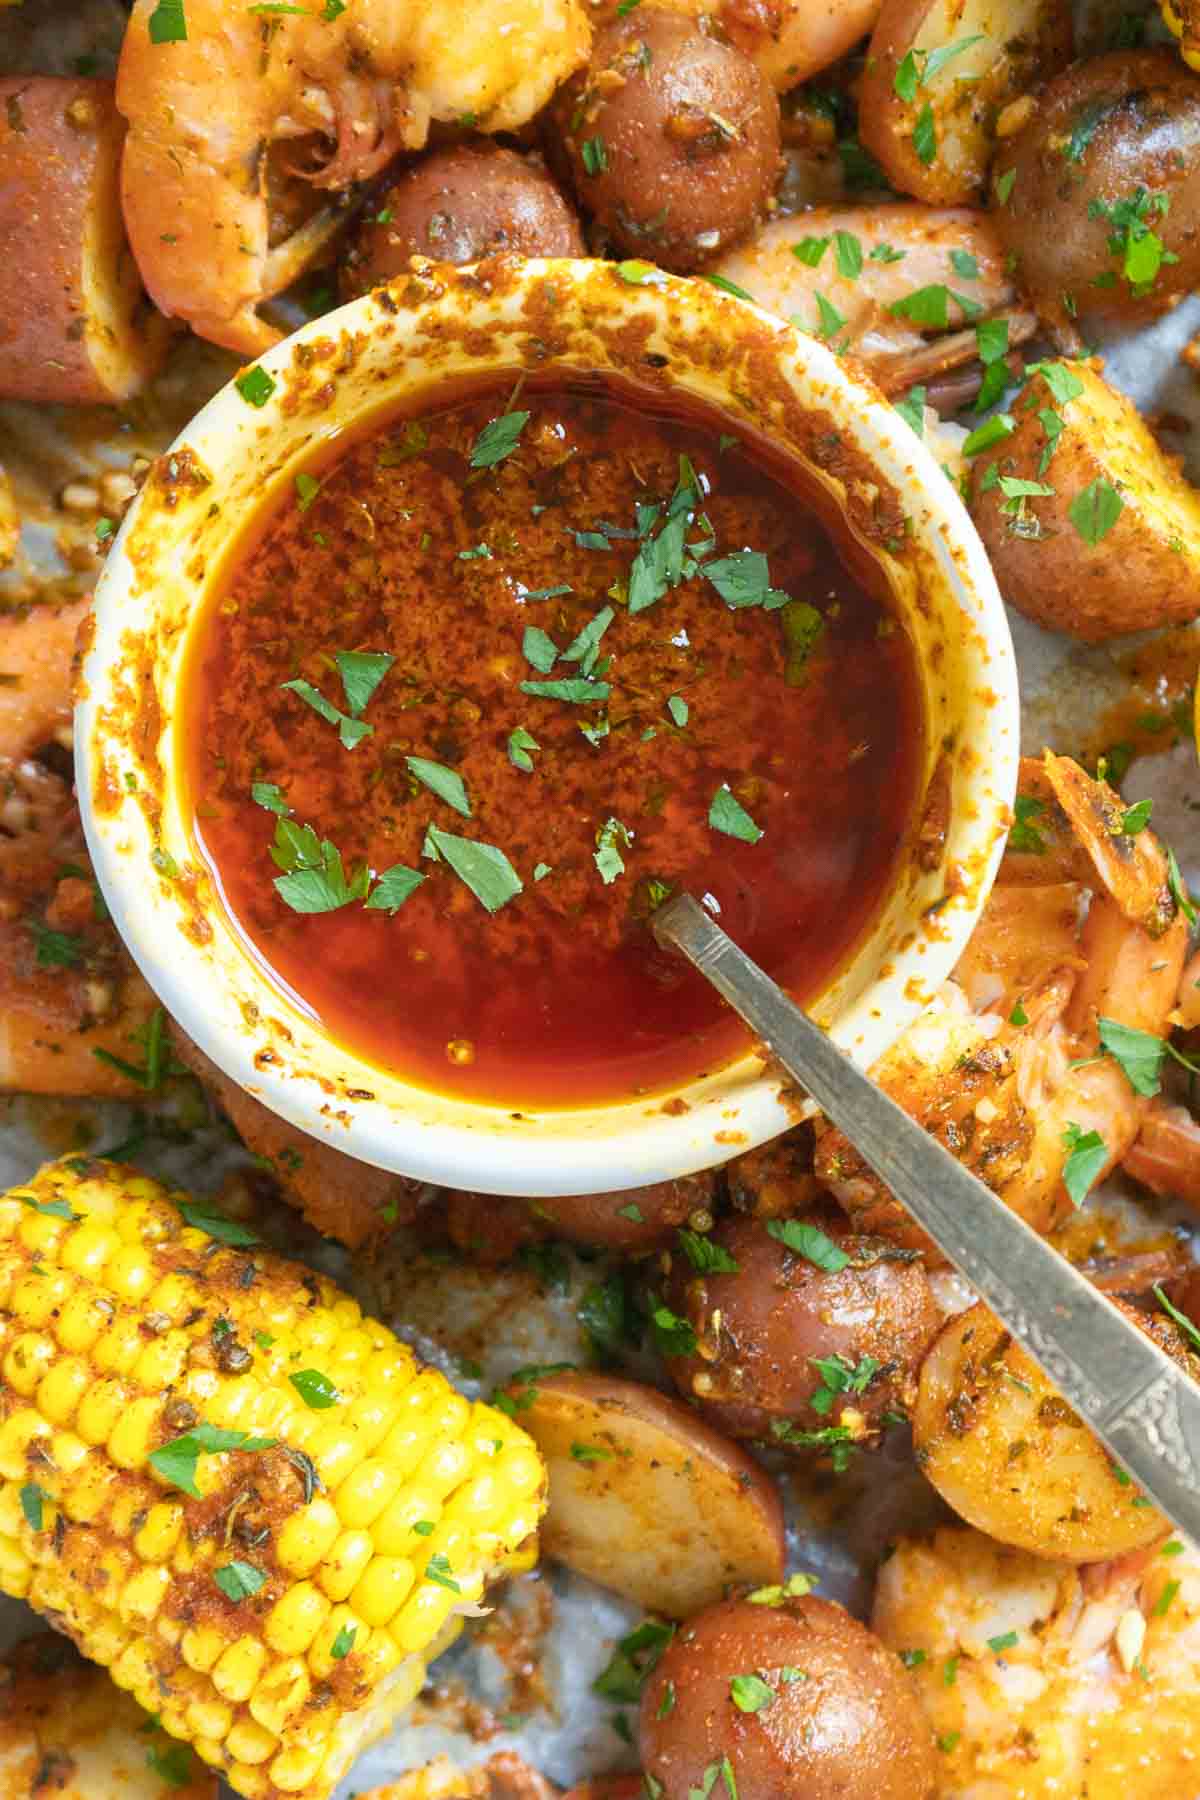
pixel 75 325
pixel 957 63
pixel 647 1499
pixel 1010 1456
pixel 794 1698
pixel 610 1787
pixel 631 1222
pixel 761 1327
pixel 456 206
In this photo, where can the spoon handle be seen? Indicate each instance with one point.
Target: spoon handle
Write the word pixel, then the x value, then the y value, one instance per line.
pixel 1143 1407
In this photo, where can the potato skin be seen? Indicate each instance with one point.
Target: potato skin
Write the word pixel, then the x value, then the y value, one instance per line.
pixel 1144 571
pixel 673 139
pixel 456 206
pixel 850 1728
pixel 75 326
pixel 606 1221
pixel 753 1374
pixel 1011 1457
pixel 1142 109
pixel 1019 43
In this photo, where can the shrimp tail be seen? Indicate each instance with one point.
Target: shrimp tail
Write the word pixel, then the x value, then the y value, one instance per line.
pixel 1131 868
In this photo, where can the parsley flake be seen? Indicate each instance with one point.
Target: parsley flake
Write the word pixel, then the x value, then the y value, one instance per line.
pixel 498 439
pixel 343 1643
pixel 810 1242
pixel 239 1580
pixel 481 867
pixel 1087 1159
pixel 727 814
pixel 177 1460
pixel 751 1694
pixel 254 385
pixel 316 1390
pixel 446 783
pixel 167 24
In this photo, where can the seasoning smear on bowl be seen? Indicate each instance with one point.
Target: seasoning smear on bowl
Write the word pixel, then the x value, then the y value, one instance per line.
pixel 484 687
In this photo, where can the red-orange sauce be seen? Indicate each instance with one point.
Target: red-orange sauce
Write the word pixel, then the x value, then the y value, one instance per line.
pixel 559 997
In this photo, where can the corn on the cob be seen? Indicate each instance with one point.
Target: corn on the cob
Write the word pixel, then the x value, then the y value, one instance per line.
pixel 246 1500
pixel 1181 18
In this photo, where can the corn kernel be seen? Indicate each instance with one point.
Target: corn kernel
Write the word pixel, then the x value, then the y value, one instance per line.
pixel 282 1692
pixel 201 1646
pixel 21 1429
pixel 421 1617
pixel 27 1360
pixel 314 1333
pixel 38 1299
pixel 40 1234
pixel 62 1388
pixel 228 1404
pixel 345 1564
pixel 16 1571
pixel 161 1363
pixel 366 1491
pixel 68 1452
pixel 370 1418
pixel 249 1742
pixel 136 1433
pixel 236 1674
pixel 11 1215
pixel 307 1537
pixel 393 1532
pixel 99 1411
pixel 293 1769
pixel 83 1318
pixel 294 1621
pixel 378 1596
pixel 87 1249
pixel 175 1296
pixel 134 1668
pixel 210 1750
pixel 391 1370
pixel 443 1466
pixel 520 1471
pixel 349 1355
pixel 209 1719
pixel 321 1660
pixel 143 1594
pixel 335 1452
pixel 120 1346
pixel 90 1492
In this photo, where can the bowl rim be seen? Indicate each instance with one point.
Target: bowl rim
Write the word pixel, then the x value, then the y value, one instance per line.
pixel 539 1151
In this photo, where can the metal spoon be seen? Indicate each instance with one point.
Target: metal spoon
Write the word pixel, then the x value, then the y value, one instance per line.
pixel 1142 1406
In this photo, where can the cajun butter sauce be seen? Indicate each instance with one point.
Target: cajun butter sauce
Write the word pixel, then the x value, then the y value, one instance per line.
pixel 561 996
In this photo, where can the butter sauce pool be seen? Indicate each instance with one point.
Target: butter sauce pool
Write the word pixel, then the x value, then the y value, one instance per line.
pixel 550 654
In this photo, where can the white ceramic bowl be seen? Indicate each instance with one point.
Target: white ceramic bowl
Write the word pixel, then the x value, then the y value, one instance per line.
pixel 867 469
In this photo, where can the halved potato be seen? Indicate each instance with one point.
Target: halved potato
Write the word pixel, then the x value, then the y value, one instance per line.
pixel 645 1498
pixel 959 63
pixel 75 325
pixel 1108 540
pixel 1004 1449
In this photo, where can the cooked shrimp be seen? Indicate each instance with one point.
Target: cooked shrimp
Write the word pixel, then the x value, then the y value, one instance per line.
pixel 36 654
pixel 369 82
pixel 66 1731
pixel 1166 1156
pixel 340 1196
pixel 904 248
pixel 1045 1681
pixel 503 1777
pixel 1006 1064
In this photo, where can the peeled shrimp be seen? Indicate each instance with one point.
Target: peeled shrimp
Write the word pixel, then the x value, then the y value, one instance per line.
pixel 36 654
pixel 1081 925
pixel 203 114
pixel 1166 1155
pixel 904 248
pixel 1097 1695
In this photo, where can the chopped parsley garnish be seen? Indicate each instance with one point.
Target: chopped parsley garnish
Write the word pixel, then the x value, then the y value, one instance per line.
pixel 607 857
pixel 307 489
pixel 576 690
pixel 343 1643
pixel 810 250
pixel 498 440
pixel 673 1335
pixel 167 24
pixel 964 265
pixel 848 255
pixel 1007 1640
pixel 1136 818
pixel 704 1255
pixel 446 783
pixel 313 879
pixel 351 731
pixel 33 1499
pixel 1023 836
pixel 919 67
pixel 810 1242
pixel 924 137
pixel 1162 1605
pixel 239 1580
pixel 640 274
pixel 591 1453
pixel 1004 186
pixel 267 794
pixel 727 814
pixel 1178 888
pixel 1139 1054
pixel 361 672
pixel 481 867
pixel 1087 1159
pixel 394 887
pixel 176 1461
pixel 54 949
pixel 316 1390
pixel 520 743
pixel 438 1569
pixel 930 306
pixel 742 579
pixel 840 1376
pixel 837 1440
pixel 1095 510
pixel 1185 1325
pixel 727 287
pixel 254 385
pixel 159 1062
pixel 593 153
pixel 912 410
pixel 539 648
pixel 829 319
pixel 678 709
pixel 993 431
pixel 751 1694
pixel 203 1215
pixel 585 647
pixel 635 1658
